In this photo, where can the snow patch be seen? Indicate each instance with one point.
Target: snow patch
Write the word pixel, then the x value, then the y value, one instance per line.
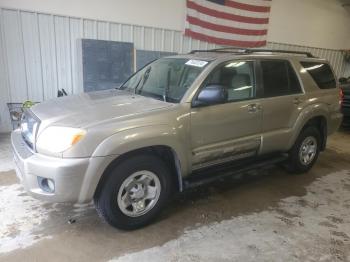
pixel 314 227
pixel 20 214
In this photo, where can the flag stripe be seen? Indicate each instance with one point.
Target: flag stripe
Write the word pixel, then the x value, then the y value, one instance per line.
pixel 224 15
pixel 247 7
pixel 219 21
pixel 230 10
pixel 255 2
pixel 230 36
pixel 226 29
pixel 221 41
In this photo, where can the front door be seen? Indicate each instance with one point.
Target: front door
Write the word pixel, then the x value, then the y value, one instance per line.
pixel 231 130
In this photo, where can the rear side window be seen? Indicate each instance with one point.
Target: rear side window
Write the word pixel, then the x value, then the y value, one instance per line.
pixel 321 73
pixel 279 78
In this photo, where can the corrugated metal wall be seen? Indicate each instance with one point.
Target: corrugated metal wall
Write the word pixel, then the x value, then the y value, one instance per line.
pixel 38 53
pixel 347 70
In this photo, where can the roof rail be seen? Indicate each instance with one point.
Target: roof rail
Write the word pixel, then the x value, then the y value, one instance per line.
pixel 250 51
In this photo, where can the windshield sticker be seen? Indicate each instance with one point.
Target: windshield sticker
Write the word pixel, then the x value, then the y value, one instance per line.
pixel 197 63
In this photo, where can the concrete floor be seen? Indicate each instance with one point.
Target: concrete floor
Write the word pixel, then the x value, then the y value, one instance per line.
pixel 263 216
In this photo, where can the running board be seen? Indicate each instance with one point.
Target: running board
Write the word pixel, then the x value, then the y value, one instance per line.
pixel 208 175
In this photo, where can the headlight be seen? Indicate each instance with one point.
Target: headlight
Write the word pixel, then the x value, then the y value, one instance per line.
pixel 57 139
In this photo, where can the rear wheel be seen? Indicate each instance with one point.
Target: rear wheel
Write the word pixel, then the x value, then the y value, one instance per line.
pixel 305 151
pixel 134 192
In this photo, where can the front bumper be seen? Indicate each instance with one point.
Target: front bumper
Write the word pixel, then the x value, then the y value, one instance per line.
pixel 75 179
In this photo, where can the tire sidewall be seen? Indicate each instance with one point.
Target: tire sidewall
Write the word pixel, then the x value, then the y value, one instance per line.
pixel 108 199
pixel 296 164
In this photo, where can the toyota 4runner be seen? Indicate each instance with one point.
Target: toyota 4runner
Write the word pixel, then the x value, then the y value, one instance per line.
pixel 177 123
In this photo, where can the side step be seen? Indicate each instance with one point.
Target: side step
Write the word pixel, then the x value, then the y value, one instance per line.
pixel 211 174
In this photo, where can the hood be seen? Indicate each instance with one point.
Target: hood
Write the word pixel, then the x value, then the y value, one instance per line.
pixel 88 109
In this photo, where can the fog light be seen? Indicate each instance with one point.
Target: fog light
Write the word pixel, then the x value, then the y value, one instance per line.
pixel 51 185
pixel 46 184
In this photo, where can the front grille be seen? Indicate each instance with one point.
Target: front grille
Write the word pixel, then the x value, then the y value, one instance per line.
pixel 29 126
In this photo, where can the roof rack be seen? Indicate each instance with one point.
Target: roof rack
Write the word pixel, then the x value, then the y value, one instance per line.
pixel 250 51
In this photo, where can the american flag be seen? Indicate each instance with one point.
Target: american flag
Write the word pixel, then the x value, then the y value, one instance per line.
pixel 241 23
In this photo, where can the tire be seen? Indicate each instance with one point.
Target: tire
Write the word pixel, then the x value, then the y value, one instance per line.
pixel 125 187
pixel 297 162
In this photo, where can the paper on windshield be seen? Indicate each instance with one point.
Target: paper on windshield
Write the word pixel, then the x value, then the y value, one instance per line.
pixel 197 63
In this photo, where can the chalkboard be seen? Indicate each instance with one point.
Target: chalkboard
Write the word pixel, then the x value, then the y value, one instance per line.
pixel 106 64
pixel 143 57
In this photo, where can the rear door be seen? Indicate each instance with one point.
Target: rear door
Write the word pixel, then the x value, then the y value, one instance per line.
pixel 282 98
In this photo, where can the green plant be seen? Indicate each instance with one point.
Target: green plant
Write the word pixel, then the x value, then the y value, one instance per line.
pixel 28 104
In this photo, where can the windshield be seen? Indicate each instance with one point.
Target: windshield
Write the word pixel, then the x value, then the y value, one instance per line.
pixel 165 79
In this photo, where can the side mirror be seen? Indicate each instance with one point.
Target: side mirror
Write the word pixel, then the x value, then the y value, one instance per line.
pixel 211 95
pixel 343 80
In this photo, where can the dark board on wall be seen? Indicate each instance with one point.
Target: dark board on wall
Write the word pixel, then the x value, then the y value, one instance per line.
pixel 143 57
pixel 106 64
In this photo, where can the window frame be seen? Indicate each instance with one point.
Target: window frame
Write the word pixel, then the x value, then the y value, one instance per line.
pixel 261 78
pixel 255 79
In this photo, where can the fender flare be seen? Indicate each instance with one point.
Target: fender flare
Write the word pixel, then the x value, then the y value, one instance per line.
pixel 133 139
pixel 309 113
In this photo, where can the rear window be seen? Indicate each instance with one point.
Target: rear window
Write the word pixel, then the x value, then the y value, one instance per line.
pixel 279 78
pixel 321 73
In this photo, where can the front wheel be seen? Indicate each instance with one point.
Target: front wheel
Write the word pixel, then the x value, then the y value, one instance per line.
pixel 305 151
pixel 134 192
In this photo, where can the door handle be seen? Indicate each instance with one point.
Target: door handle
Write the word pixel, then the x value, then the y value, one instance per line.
pixel 296 101
pixel 253 108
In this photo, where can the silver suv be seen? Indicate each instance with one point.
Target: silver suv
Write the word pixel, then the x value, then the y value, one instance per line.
pixel 178 122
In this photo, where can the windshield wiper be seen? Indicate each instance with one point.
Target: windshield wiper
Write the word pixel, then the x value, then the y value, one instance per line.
pixel 166 89
pixel 144 79
pixel 135 89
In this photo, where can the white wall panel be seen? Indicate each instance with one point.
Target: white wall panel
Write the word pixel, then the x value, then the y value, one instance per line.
pixel 15 55
pixel 90 29
pixel 186 44
pixel 48 55
pixel 63 51
pixel 76 32
pixel 127 34
pixel 38 52
pixel 115 32
pixel 148 42
pixel 167 43
pixel 138 37
pixel 4 85
pixel 202 45
pixel 32 56
pixel 103 30
pixel 347 71
pixel 157 40
pixel 177 42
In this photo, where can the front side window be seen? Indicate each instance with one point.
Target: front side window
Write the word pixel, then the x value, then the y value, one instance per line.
pixel 321 73
pixel 279 78
pixel 165 79
pixel 237 77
